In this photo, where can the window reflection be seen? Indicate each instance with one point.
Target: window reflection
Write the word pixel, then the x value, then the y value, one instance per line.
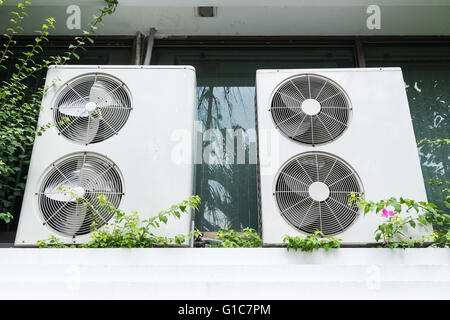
pixel 226 186
pixel 426 71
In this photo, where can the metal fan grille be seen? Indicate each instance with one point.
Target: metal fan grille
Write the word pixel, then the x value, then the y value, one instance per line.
pixel 298 203
pixel 71 183
pixel 329 119
pixel 85 126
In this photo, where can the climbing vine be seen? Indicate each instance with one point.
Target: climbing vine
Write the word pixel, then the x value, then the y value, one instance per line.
pixel 20 102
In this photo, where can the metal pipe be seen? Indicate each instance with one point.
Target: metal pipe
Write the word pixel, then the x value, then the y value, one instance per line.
pixel 138 48
pixel 150 41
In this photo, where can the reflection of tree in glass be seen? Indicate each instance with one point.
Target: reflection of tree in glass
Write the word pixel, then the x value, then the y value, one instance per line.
pixel 429 100
pixel 228 190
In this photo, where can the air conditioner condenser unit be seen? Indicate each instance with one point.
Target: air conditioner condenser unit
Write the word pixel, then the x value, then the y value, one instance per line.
pixel 324 133
pixel 121 131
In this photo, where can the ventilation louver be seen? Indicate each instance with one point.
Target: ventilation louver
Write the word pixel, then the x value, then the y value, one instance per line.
pixel 311 109
pixel 92 108
pixel 312 190
pixel 67 197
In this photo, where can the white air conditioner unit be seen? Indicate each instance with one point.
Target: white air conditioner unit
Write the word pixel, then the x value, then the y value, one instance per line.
pixel 324 133
pixel 121 131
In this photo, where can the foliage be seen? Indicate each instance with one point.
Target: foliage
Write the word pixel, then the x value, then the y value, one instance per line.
pixel 128 231
pixel 312 241
pixel 439 169
pixel 21 103
pixel 391 232
pixel 53 242
pixel 441 142
pixel 445 190
pixel 6 217
pixel 230 238
pixel 441 239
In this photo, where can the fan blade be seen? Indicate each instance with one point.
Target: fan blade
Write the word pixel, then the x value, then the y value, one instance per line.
pixel 105 191
pixel 92 129
pixel 86 175
pixel 60 196
pixel 74 221
pixel 288 183
pixel 73 108
pixel 68 192
pixel 98 93
pixel 83 175
pixel 299 127
pixel 290 103
pixel 112 106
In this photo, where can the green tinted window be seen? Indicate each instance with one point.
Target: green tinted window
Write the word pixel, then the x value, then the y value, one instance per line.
pixel 426 70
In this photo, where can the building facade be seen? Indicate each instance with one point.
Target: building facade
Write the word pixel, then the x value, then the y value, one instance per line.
pixel 227 41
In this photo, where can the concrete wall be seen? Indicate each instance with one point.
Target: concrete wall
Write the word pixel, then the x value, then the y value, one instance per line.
pixel 202 273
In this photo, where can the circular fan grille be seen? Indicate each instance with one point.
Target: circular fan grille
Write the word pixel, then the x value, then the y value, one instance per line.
pixel 67 196
pixel 311 109
pixel 312 190
pixel 92 108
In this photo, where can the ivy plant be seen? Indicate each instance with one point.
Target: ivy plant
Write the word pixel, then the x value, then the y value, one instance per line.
pixel 310 242
pixel 54 242
pixel 230 238
pixel 391 232
pixel 441 142
pixel 20 103
pixel 127 230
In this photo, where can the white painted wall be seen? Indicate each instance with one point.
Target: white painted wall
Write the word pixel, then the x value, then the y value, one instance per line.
pixel 202 273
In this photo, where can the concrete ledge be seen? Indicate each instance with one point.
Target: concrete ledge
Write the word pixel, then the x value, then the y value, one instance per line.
pixel 269 273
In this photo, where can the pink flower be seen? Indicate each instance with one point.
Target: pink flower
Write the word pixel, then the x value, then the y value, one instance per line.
pixel 387 214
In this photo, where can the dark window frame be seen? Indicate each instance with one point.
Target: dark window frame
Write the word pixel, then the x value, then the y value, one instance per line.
pixel 357 43
pixel 65 41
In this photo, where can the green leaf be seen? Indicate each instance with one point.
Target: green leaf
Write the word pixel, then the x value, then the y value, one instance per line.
pixel 378 236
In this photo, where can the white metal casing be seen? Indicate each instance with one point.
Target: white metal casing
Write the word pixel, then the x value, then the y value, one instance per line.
pixel 152 151
pixel 379 144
